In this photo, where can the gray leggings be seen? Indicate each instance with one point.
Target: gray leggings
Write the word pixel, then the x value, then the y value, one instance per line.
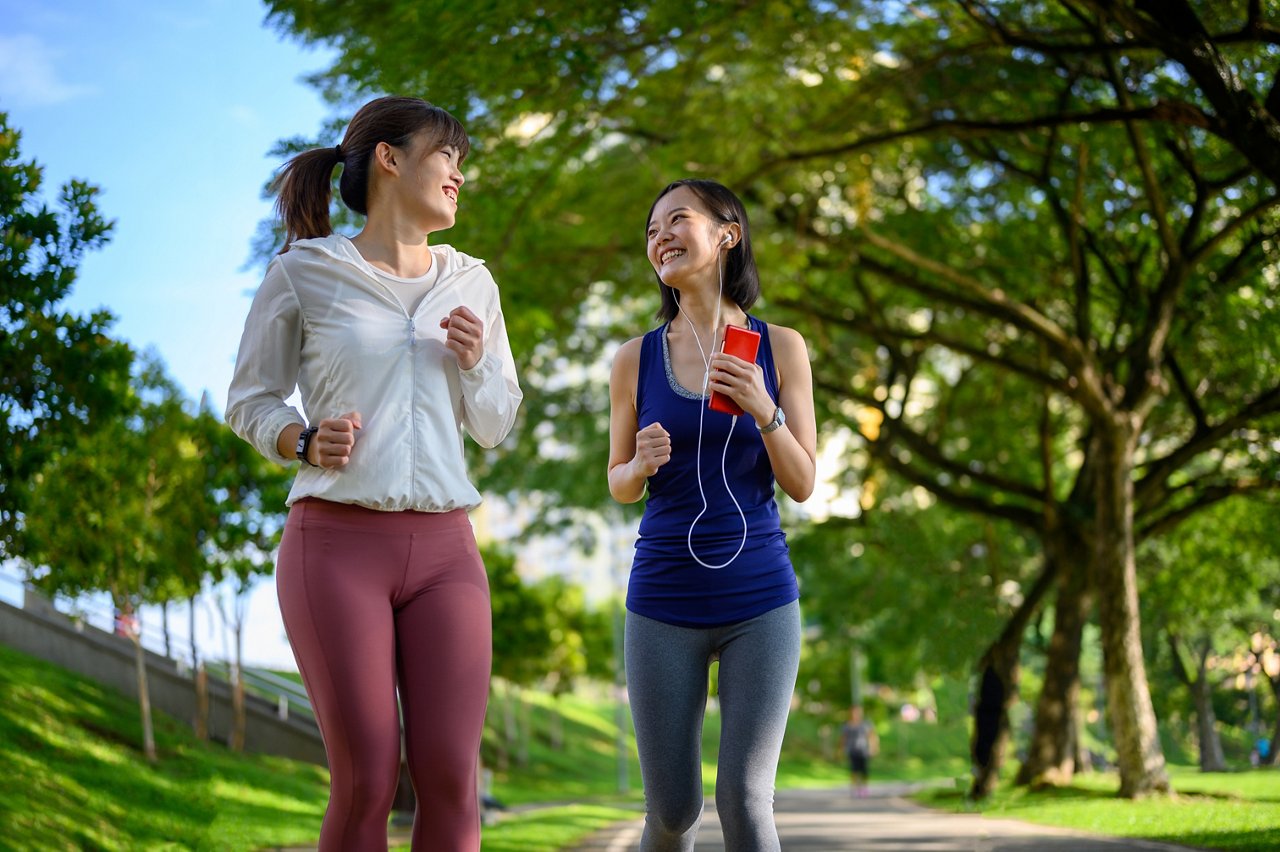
pixel 667 670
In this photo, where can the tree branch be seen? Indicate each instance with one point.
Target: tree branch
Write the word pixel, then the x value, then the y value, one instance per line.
pixel 1208 496
pixel 1168 111
pixel 1233 226
pixel 1159 471
pixel 883 449
pixel 1172 27
pixel 1086 383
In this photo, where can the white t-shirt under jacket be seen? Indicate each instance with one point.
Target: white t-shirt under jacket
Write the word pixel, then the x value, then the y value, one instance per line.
pixel 328 322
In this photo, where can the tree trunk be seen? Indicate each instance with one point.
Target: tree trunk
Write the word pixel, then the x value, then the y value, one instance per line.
pixel 164 628
pixel 202 703
pixel 237 695
pixel 1132 717
pixel 526 733
pixel 555 726
pixel 1211 756
pixel 998 690
pixel 1051 754
pixel 144 699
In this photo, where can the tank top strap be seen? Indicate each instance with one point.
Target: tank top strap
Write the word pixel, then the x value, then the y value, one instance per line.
pixel 765 356
pixel 651 363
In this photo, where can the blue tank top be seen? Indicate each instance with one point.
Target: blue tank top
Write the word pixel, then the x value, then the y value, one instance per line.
pixel 666 583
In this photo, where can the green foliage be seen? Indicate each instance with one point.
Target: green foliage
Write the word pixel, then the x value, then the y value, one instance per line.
pixel 918 590
pixel 60 374
pixel 936 205
pixel 521 622
pixel 164 498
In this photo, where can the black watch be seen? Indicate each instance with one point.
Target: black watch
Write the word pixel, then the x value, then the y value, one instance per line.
pixel 304 443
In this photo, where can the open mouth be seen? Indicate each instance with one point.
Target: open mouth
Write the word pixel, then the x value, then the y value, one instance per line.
pixel 670 254
pixel 452 193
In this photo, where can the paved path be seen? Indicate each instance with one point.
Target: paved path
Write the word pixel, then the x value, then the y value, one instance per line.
pixel 834 821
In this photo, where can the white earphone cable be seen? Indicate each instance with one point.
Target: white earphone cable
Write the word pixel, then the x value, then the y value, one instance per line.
pixel 724 474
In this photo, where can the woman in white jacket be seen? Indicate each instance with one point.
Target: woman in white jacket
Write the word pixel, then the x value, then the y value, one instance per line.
pixel 396 348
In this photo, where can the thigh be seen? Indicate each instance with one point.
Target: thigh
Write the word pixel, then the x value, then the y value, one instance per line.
pixel 444 652
pixel 667 671
pixel 758 666
pixel 335 603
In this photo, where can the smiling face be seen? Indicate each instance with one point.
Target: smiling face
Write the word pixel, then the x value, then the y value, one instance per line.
pixel 682 238
pixel 426 184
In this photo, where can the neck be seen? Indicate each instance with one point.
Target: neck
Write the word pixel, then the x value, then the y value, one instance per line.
pixel 394 247
pixel 701 311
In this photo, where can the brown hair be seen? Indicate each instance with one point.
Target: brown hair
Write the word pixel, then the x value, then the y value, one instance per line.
pixel 305 184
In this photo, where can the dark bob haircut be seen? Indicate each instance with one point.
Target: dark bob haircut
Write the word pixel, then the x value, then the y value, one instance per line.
pixel 741 280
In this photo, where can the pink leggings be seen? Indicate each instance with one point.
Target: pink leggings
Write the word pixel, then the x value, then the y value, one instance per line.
pixel 374 601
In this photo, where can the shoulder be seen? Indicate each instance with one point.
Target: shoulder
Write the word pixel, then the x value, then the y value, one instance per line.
pixel 628 355
pixel 788 344
pixel 785 338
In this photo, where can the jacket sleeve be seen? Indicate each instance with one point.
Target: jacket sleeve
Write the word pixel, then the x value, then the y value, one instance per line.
pixel 266 369
pixel 491 392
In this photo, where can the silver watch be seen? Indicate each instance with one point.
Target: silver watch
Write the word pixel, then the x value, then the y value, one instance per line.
pixel 778 419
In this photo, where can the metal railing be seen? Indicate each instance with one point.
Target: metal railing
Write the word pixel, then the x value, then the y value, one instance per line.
pixel 289 697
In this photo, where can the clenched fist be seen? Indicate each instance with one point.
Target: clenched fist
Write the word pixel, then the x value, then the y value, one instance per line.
pixel 653 449
pixel 332 445
pixel 464 336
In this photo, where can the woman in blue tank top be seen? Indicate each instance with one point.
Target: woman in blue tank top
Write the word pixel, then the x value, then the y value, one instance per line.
pixel 712 577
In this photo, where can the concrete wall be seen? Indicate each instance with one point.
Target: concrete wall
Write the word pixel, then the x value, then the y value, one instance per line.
pixel 47 634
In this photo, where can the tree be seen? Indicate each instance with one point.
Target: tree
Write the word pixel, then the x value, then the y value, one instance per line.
pixel 1035 240
pixel 244 506
pixel 114 512
pixel 1208 591
pixel 60 374
pixel 521 641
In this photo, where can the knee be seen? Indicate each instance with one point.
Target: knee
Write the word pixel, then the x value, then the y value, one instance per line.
pixel 366 791
pixel 742 800
pixel 675 819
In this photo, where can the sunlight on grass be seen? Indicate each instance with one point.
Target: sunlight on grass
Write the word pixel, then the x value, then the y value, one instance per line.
pixel 1230 811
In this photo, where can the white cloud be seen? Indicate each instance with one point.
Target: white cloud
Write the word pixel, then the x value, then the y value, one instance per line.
pixel 28 76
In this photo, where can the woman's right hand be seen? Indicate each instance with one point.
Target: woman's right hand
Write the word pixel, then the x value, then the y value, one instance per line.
pixel 331 447
pixel 653 449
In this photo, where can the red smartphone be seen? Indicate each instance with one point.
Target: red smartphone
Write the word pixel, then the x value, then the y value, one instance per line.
pixel 742 343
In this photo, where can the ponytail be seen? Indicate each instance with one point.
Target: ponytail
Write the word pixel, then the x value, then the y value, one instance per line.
pixel 305 187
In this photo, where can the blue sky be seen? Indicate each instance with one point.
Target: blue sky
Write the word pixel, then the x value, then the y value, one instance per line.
pixel 169 108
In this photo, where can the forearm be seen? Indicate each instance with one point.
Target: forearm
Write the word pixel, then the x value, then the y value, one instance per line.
pixel 793 468
pixel 491 397
pixel 626 484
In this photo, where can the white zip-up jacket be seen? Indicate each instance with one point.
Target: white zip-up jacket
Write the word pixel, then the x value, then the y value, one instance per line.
pixel 325 321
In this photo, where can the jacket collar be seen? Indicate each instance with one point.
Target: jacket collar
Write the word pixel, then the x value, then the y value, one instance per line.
pixel 341 249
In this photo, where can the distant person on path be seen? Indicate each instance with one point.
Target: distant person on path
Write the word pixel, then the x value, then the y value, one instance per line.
pixel 710 581
pixel 861 743
pixel 397 347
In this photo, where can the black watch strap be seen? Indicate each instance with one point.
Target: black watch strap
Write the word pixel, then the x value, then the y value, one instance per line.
pixel 304 444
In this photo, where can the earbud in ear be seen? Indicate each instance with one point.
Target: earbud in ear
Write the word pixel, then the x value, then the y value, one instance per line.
pixel 728 240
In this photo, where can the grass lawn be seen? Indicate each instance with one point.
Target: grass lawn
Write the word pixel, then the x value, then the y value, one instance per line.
pixel 1232 811
pixel 72 775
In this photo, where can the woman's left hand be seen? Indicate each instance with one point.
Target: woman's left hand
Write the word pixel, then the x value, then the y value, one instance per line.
pixel 743 381
pixel 465 337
